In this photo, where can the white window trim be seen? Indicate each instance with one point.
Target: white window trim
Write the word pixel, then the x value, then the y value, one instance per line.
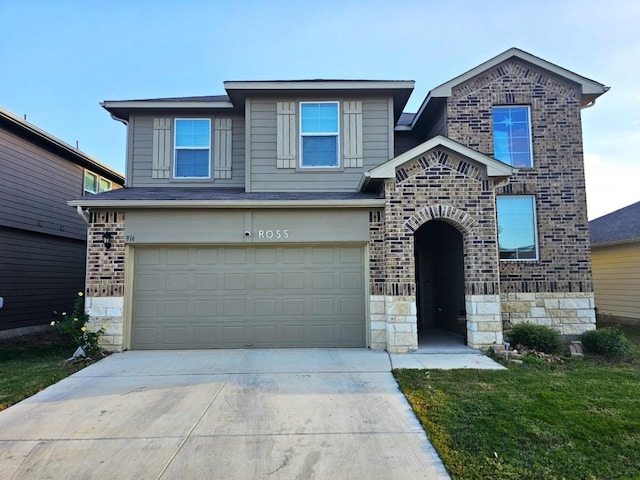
pixel 535 231
pixel 102 179
pixel 528 107
pixel 84 182
pixel 175 149
pixel 321 134
pixel 99 178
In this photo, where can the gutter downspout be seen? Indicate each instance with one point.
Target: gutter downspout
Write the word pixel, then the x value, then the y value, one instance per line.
pixel 118 119
pixel 82 214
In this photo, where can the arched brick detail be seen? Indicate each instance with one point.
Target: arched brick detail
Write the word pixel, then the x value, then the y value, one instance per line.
pixel 459 218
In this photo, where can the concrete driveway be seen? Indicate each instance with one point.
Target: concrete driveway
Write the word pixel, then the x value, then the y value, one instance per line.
pixel 232 414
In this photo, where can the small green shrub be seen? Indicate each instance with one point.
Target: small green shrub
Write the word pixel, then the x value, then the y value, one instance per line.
pixel 74 325
pixel 608 341
pixel 535 337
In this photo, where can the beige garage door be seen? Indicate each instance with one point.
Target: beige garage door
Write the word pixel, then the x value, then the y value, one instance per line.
pixel 238 297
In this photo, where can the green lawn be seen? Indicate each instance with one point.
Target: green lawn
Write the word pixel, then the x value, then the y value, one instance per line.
pixel 577 420
pixel 32 362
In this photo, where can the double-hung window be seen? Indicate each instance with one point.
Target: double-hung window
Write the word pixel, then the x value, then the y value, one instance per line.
pixel 319 137
pixel 512 136
pixel 192 148
pixel 517 233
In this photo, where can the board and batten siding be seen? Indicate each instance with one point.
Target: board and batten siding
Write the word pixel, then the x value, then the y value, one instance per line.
pixel 616 279
pixel 35 186
pixel 227 139
pixel 38 274
pixel 264 152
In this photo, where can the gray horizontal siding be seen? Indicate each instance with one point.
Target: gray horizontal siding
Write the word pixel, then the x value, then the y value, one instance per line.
pixel 35 186
pixel 266 177
pixel 38 274
pixel 141 128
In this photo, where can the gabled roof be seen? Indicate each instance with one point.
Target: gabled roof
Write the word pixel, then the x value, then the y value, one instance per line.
pixel 36 135
pixel 620 226
pixel 495 168
pixel 590 88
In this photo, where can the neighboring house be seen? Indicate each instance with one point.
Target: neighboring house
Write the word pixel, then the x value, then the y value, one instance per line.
pixel 42 239
pixel 317 214
pixel 615 253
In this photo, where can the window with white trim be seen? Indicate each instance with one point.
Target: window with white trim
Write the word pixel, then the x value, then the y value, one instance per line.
pixel 517 232
pixel 94 183
pixel 104 185
pixel 319 137
pixel 512 136
pixel 192 147
pixel 90 182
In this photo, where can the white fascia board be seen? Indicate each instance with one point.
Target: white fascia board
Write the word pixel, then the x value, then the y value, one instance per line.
pixel 589 87
pixel 495 168
pixel 235 204
pixel 163 104
pixel 318 85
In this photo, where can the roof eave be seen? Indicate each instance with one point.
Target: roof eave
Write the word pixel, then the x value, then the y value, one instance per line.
pixel 227 204
pixel 83 159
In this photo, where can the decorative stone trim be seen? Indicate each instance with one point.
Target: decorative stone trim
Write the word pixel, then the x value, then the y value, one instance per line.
pixel 107 311
pixel 484 327
pixel 402 323
pixel 571 313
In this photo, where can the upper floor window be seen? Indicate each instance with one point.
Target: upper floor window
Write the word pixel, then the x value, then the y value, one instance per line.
pixel 517 236
pixel 319 135
pixel 90 182
pixel 192 148
pixel 512 136
pixel 93 183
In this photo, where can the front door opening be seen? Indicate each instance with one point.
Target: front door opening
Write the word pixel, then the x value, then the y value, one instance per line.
pixel 439 264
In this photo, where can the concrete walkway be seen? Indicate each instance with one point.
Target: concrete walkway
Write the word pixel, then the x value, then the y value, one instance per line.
pixel 232 414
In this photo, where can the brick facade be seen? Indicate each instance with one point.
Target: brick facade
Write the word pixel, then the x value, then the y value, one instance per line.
pixel 439 185
pixel 105 277
pixel 556 179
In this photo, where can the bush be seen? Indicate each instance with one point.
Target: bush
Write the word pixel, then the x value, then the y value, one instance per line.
pixel 608 341
pixel 535 337
pixel 74 326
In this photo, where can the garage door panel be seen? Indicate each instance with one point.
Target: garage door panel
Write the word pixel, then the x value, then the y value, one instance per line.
pixel 292 306
pixel 176 283
pixel 234 307
pixel 206 281
pixel 205 308
pixel 235 281
pixel 237 297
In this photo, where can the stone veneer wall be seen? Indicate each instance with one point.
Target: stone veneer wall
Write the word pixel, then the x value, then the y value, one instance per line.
pixel 571 313
pixel 104 300
pixel 556 180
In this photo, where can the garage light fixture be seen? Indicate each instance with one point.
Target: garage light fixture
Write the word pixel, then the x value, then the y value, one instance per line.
pixel 106 239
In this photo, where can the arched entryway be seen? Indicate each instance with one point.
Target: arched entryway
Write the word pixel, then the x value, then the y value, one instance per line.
pixel 440 292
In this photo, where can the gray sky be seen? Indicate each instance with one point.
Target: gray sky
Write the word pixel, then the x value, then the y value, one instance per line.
pixel 59 59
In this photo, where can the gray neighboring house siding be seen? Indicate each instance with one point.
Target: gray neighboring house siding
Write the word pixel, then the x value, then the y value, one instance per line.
pixel 42 240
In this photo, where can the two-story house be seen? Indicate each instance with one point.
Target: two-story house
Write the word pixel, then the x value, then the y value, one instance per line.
pixel 42 240
pixel 317 214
